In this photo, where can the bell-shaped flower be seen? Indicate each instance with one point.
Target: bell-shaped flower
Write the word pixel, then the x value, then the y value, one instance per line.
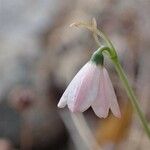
pixel 91 87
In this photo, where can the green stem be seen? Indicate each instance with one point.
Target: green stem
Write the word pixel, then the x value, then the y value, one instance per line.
pixel 131 95
pixel 109 48
pixel 114 57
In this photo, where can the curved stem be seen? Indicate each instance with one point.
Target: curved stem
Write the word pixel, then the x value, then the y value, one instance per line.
pixel 114 57
pixel 131 95
pixel 111 50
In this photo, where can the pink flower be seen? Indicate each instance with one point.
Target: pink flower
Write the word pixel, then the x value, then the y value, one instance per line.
pixel 91 87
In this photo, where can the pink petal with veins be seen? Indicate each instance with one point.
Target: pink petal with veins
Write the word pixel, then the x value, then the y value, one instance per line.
pixel 101 103
pixel 111 95
pixel 72 87
pixel 76 94
pixel 106 98
pixel 87 90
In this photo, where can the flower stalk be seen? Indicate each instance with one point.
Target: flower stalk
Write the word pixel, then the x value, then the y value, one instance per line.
pixel 128 90
pixel 126 84
pixel 131 96
pixel 110 50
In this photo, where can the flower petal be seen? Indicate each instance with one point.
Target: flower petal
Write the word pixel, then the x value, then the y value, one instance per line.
pixel 71 90
pixel 88 89
pixel 63 101
pixel 84 92
pixel 101 103
pixel 111 95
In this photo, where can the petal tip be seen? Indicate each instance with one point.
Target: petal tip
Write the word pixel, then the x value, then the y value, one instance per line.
pixel 101 115
pixel 118 115
pixel 61 105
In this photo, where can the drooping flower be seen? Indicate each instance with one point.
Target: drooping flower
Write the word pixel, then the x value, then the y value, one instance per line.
pixel 91 87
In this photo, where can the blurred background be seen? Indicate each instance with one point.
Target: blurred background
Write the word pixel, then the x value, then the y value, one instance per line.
pixel 40 54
